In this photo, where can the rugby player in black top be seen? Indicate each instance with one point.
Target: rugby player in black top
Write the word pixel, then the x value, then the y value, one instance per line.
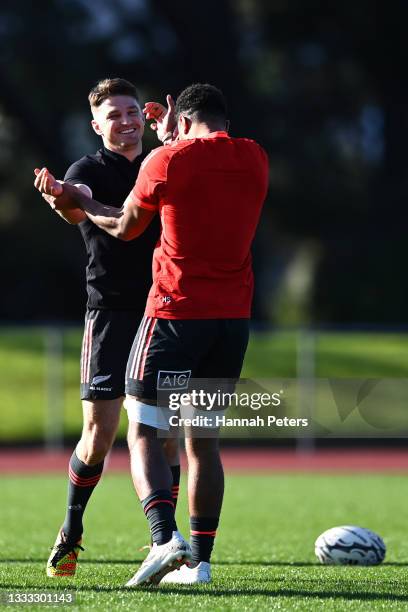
pixel 118 278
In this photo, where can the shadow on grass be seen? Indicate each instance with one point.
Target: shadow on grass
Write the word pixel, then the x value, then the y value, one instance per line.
pixel 273 593
pixel 82 562
pixel 298 564
pixel 226 563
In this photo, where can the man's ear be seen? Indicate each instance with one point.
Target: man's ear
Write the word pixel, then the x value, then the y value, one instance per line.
pixel 185 124
pixel 96 127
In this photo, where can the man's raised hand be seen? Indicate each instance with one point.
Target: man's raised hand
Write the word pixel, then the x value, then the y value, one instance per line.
pixel 46 183
pixel 164 119
pixel 59 196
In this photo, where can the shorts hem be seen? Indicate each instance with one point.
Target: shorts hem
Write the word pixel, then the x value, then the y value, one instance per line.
pixel 98 396
pixel 189 316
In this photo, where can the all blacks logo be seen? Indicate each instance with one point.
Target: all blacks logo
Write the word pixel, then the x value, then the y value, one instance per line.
pixel 168 380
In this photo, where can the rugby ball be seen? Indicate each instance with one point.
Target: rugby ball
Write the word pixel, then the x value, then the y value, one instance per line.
pixel 349 545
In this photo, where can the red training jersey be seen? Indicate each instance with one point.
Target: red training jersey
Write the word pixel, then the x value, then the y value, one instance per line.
pixel 209 194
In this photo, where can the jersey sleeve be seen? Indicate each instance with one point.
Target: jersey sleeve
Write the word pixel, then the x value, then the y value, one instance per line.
pixel 151 181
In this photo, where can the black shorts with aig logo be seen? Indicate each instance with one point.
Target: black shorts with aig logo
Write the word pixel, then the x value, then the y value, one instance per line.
pixel 167 353
pixel 106 344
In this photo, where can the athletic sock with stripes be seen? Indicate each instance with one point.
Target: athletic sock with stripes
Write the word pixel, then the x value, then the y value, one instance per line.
pixel 175 471
pixel 159 510
pixel 82 481
pixel 202 533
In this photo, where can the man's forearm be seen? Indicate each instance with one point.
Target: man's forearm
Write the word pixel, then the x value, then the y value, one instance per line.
pixel 72 215
pixel 125 223
pixel 106 217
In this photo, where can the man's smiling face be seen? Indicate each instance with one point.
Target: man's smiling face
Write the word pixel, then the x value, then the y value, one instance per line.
pixel 120 122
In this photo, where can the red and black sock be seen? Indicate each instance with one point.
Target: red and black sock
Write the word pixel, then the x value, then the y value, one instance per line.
pixel 83 479
pixel 175 471
pixel 159 510
pixel 202 533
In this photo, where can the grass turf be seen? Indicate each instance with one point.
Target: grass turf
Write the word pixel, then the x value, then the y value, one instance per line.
pixel 270 355
pixel 263 558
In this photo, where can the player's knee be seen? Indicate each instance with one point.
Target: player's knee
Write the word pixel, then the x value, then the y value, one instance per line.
pixel 96 443
pixel 138 433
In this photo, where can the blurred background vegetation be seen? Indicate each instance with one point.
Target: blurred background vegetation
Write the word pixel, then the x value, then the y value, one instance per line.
pixel 321 85
pixel 39 386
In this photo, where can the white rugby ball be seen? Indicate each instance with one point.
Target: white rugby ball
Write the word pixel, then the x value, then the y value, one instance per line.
pixel 349 545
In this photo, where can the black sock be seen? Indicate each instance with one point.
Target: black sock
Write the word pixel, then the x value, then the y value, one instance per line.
pixel 159 509
pixel 203 531
pixel 175 470
pixel 82 481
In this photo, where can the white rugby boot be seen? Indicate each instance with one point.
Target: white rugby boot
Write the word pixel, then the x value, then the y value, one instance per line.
pixel 200 574
pixel 161 560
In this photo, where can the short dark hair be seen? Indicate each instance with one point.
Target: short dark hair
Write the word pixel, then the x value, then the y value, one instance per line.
pixel 202 102
pixel 111 87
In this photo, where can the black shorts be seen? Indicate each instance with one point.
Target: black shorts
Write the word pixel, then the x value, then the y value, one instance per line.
pixel 171 352
pixel 106 344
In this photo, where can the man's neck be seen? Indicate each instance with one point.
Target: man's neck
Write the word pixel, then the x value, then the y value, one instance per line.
pixel 201 130
pixel 130 153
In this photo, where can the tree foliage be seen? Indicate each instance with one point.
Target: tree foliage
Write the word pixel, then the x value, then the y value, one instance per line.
pixel 322 86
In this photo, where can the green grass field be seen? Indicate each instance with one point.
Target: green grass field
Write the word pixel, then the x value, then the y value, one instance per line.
pixel 23 366
pixel 263 559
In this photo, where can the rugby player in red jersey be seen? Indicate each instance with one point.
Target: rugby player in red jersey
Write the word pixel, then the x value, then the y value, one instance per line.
pixel 208 189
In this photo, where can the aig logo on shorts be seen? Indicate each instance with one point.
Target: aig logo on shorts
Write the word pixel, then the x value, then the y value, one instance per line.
pixel 170 379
